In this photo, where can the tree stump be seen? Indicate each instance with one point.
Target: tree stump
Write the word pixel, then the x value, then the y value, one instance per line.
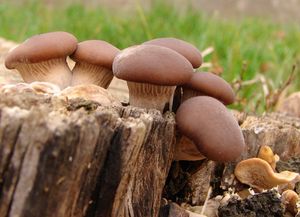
pixel 78 158
pixel 61 157
pixel 189 182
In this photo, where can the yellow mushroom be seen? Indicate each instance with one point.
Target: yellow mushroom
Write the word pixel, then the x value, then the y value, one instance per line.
pixel 257 173
pixel 266 153
pixel 290 198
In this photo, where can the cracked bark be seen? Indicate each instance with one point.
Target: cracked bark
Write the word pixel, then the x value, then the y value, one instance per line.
pixel 188 182
pixel 77 158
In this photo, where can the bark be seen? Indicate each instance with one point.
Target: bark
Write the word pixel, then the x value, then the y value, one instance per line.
pixel 188 182
pixel 78 158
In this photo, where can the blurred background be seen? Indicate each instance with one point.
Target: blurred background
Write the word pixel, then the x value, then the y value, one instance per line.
pixel 253 44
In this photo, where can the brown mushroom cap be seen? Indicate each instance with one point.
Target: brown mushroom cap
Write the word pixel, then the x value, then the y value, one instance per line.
pixel 152 64
pixel 212 85
pixel 186 49
pixel 290 198
pixel 213 129
pixel 258 173
pixel 96 52
pixel 266 153
pixel 42 47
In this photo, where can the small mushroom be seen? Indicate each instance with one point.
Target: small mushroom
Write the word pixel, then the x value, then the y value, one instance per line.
pixel 90 92
pixel 213 129
pixel 189 51
pixel 208 84
pixel 152 73
pixel 94 60
pixel 257 173
pixel 43 58
pixel 290 198
pixel 266 153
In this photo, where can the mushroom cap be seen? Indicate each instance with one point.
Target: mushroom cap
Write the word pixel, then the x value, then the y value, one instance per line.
pixel 186 49
pixel 96 52
pixel 258 173
pixel 152 64
pixel 212 127
pixel 42 47
pixel 290 198
pixel 266 153
pixel 211 85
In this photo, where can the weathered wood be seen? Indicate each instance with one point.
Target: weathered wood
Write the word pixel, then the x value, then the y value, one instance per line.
pixel 62 158
pixel 189 181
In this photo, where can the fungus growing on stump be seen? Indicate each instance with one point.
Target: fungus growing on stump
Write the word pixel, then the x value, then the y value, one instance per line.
pixel 213 129
pixel 208 84
pixel 185 149
pixel 259 174
pixel 290 199
pixel 189 51
pixel 266 153
pixel 43 58
pixel 94 60
pixel 152 74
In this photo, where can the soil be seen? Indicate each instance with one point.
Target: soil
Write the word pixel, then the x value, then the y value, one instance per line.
pixel 266 204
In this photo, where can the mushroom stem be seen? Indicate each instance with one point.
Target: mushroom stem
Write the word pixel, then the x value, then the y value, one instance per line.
pixel 189 93
pixel 185 149
pixel 149 95
pixel 84 73
pixel 55 71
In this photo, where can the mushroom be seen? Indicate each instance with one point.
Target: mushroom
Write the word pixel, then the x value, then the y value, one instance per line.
pixel 257 173
pixel 266 153
pixel 152 73
pixel 94 60
pixel 290 198
pixel 213 129
pixel 185 149
pixel 209 84
pixel 189 51
pixel 90 92
pixel 43 58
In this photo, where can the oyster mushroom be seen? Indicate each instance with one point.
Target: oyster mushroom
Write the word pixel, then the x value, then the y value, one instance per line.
pixel 94 60
pixel 152 73
pixel 189 51
pixel 43 58
pixel 213 129
pixel 208 84
pixel 258 173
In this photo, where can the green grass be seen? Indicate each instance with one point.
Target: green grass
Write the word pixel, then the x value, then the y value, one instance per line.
pixel 246 45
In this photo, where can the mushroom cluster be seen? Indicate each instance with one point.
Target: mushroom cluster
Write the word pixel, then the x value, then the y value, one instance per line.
pixel 152 70
pixel 43 58
pixel 260 174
